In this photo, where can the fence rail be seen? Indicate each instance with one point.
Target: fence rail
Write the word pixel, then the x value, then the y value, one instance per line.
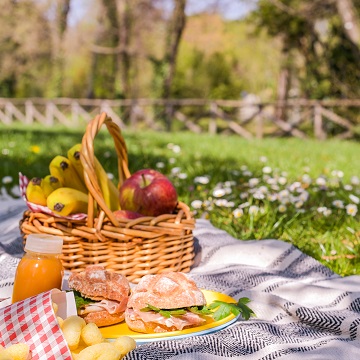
pixel 299 117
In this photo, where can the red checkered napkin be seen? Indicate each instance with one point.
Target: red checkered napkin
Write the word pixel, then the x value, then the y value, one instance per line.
pixel 23 183
pixel 34 322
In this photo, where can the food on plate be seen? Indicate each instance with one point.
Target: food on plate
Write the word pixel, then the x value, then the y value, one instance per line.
pixel 124 344
pixel 65 201
pixel 165 302
pixel 148 192
pixel 101 296
pixel 102 351
pixel 91 334
pixel 35 193
pixel 71 328
pixel 87 343
pixel 20 351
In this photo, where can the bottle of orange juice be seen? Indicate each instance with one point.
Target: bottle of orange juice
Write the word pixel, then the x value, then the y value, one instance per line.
pixel 40 269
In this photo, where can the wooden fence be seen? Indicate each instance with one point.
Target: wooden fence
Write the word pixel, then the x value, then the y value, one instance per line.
pixel 300 118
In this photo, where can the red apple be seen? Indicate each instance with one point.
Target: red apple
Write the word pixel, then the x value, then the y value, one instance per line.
pixel 148 192
pixel 126 214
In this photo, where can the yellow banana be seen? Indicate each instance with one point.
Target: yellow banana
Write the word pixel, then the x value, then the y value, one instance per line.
pixel 35 193
pixel 74 157
pixel 49 184
pixel 65 201
pixel 61 167
pixel 108 188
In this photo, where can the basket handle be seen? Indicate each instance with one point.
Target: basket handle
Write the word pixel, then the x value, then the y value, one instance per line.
pixel 88 161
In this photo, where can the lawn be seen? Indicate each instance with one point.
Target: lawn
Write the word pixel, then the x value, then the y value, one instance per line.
pixel 301 191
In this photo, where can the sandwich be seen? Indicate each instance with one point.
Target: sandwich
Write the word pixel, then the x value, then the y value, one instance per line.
pixel 101 296
pixel 165 302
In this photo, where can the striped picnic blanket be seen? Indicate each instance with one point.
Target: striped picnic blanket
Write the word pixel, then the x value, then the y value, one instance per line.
pixel 303 310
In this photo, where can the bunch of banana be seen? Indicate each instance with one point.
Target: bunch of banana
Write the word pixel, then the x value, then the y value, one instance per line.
pixel 64 191
pixel 108 188
pixel 50 192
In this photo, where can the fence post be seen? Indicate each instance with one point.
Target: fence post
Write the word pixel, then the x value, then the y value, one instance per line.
pixel 133 114
pixel 29 112
pixel 49 113
pixel 318 123
pixel 259 123
pixel 8 112
pixel 213 115
pixel 169 110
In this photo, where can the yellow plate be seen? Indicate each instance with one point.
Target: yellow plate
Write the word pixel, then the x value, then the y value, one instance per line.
pixel 114 331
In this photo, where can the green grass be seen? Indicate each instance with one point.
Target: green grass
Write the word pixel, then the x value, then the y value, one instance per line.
pixel 233 166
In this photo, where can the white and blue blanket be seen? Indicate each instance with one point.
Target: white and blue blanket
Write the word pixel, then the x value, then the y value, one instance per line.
pixel 304 310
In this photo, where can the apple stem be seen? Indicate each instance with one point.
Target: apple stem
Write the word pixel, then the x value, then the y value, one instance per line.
pixel 144 179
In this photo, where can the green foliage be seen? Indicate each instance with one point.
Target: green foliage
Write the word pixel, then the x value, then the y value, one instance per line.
pixel 24 50
pixel 324 61
pixel 224 309
pixel 207 77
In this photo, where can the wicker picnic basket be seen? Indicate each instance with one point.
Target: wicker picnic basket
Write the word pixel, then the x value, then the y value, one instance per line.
pixel 134 248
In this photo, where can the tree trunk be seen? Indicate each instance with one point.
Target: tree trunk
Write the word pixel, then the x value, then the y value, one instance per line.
pixel 112 40
pixel 104 53
pixel 125 30
pixel 175 29
pixel 350 20
pixel 174 33
pixel 62 11
pixel 283 84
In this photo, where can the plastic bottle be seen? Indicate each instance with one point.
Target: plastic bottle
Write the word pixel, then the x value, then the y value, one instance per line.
pixel 40 269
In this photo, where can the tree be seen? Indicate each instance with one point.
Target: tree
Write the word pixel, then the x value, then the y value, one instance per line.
pixel 104 61
pixel 175 28
pixel 350 20
pixel 61 12
pixel 25 46
pixel 325 60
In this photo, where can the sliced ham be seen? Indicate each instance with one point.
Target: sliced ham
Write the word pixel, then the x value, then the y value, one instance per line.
pixel 112 307
pixel 179 321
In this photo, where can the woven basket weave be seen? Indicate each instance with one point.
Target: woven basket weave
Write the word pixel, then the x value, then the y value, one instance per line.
pixel 134 248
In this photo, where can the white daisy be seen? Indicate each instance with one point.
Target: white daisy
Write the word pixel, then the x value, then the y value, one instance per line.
pixel 202 180
pixel 355 180
pixel 253 182
pixel 354 199
pixel 321 181
pixel 160 165
pixel 196 204
pixel 351 209
pixel 237 213
pixel 338 204
pixel 253 209
pixel 219 193
pixel 7 180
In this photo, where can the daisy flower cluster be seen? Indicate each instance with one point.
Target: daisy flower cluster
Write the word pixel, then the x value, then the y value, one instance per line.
pixel 253 194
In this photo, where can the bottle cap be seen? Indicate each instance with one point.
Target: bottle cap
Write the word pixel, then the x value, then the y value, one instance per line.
pixel 43 243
